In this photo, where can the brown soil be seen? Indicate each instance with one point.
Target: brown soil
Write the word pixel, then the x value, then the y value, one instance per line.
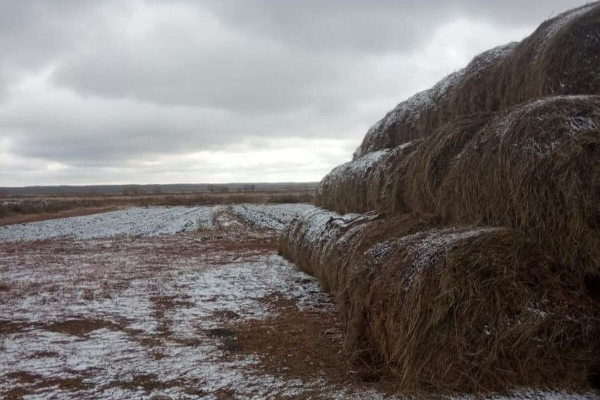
pixel 40 382
pixel 22 219
pixel 79 327
pixel 305 345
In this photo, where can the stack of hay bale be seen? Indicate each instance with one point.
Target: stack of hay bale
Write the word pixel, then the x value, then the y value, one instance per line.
pixel 472 262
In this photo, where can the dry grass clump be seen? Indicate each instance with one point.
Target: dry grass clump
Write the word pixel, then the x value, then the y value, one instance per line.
pixel 559 58
pixel 458 309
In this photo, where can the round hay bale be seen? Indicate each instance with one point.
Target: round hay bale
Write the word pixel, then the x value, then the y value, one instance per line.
pixel 396 181
pixel 559 58
pixel 305 237
pixel 536 169
pixel 427 166
pixel 322 242
pixel 343 189
pixel 423 113
pixel 355 237
pixel 363 185
pixel 469 310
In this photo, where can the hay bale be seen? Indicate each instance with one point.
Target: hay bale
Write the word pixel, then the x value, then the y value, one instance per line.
pixel 460 309
pixel 363 185
pixel 423 113
pixel 536 169
pixel 472 310
pixel 395 181
pixel 559 58
pixel 303 238
pixel 427 167
pixel 315 239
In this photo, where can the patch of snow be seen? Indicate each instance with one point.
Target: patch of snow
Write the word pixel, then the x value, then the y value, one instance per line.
pixel 171 345
pixel 151 221
pixel 269 216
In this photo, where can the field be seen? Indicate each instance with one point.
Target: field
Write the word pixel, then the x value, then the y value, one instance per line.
pixel 170 303
pixel 15 209
pixel 165 303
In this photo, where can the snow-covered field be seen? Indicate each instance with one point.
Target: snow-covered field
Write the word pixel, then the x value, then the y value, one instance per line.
pixel 143 303
pixel 155 221
pixel 119 318
pixel 151 303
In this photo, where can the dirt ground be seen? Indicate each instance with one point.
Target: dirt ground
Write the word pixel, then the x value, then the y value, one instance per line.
pixel 25 218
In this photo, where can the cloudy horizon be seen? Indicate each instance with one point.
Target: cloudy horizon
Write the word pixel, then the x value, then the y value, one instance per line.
pixel 215 91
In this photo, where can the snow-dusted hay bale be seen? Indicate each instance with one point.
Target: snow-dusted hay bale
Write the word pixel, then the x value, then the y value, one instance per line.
pixel 559 58
pixel 306 238
pixel 470 310
pixel 398 180
pixel 460 309
pixel 363 185
pixel 536 169
pixel 313 240
pixel 428 165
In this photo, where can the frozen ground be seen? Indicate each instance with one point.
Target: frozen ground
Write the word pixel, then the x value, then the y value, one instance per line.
pixel 210 313
pixel 155 221
pixel 124 318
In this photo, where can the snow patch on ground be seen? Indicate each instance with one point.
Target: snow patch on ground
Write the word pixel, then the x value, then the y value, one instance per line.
pixel 273 217
pixel 143 317
pixel 153 221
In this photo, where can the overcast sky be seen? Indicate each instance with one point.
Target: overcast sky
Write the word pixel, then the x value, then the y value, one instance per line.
pixel 167 91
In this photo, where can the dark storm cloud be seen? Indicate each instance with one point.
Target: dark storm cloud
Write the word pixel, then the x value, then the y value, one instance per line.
pixel 85 84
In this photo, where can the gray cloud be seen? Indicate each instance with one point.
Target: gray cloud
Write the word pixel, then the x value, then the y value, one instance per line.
pixel 108 86
pixel 372 26
pixel 266 56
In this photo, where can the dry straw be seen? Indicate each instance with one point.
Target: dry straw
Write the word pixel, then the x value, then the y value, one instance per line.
pixel 559 58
